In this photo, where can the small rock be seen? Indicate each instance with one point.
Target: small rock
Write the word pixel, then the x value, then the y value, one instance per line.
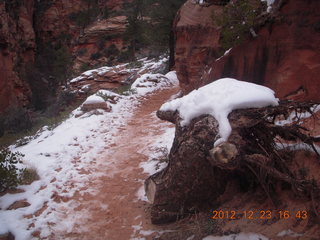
pixel 95 102
pixel 19 204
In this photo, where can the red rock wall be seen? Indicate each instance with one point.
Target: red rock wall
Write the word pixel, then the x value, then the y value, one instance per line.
pixel 17 43
pixel 285 56
pixel 196 43
pixel 23 23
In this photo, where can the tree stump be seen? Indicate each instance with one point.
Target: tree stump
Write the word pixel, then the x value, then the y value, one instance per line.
pixel 189 182
pixel 198 173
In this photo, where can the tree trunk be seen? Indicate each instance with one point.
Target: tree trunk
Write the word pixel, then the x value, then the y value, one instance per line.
pixel 188 183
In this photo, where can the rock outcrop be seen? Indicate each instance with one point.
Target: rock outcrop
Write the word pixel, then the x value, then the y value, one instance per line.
pixel 197 43
pixel 285 56
pixel 95 102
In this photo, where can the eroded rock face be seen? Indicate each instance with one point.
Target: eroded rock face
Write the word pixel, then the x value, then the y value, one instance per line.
pixel 17 43
pixel 285 56
pixel 197 42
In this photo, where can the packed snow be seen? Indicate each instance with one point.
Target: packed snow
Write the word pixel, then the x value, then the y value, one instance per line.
pixel 218 99
pixel 60 156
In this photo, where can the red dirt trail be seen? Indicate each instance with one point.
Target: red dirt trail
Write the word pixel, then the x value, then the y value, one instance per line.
pixel 123 179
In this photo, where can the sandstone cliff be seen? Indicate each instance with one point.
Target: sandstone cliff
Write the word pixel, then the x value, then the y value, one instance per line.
pixel 17 46
pixel 284 56
pixel 39 39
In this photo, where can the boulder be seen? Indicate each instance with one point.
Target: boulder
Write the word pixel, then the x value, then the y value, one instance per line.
pixel 95 102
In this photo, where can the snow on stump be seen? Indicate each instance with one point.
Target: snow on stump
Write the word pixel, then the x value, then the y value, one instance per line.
pixel 95 102
pixel 225 132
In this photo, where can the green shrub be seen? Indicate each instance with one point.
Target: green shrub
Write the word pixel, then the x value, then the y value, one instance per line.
pixel 105 96
pixel 16 119
pixel 88 15
pixel 125 56
pixel 135 64
pixel 95 56
pixel 29 175
pixel 85 67
pixel 101 43
pixel 125 90
pixel 81 52
pixel 237 20
pixel 10 175
pixel 112 50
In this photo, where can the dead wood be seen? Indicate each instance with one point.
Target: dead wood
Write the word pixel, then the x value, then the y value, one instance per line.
pixel 198 172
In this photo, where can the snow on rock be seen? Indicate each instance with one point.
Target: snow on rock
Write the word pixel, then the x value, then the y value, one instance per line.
pixel 150 82
pixel 95 102
pixel 93 99
pixel 172 76
pixel 218 99
pixel 95 73
pixel 240 236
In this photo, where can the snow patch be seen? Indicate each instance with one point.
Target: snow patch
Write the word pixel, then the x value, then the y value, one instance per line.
pixel 297 117
pixel 218 99
pixel 240 236
pixel 289 233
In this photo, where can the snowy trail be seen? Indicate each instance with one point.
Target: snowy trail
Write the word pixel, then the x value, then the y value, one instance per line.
pixel 124 215
pixel 92 169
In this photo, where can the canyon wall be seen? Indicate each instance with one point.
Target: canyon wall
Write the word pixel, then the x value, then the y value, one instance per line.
pixel 39 38
pixel 284 56
pixel 17 46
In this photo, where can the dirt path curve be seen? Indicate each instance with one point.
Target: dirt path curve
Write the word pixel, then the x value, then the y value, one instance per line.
pixel 124 216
